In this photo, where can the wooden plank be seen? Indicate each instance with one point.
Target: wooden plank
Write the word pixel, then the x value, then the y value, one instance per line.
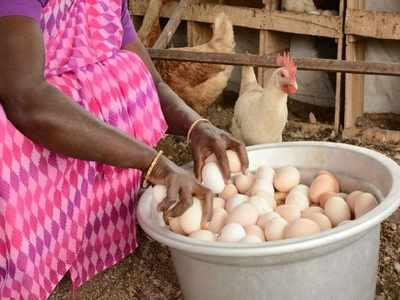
pixel 338 94
pixel 374 24
pixel 372 135
pixel 256 18
pixel 310 64
pixel 172 25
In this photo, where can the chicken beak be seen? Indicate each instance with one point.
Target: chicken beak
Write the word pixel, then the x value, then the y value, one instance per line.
pixel 292 88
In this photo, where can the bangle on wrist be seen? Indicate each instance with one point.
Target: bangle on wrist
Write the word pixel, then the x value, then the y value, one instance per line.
pixel 193 126
pixel 151 168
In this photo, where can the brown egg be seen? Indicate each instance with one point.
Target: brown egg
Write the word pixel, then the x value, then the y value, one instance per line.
pixel 211 158
pixel 364 203
pixel 286 178
pixel 323 221
pixel 244 214
pixel 218 203
pixel 311 210
pixel 337 210
pixel 301 228
pixel 275 228
pixel 264 219
pixel 229 191
pixel 244 182
pixel 322 184
pixel 334 178
pixel 289 212
pixel 325 197
pixel 175 226
pixel 351 197
pixel 235 165
pixel 191 219
pixel 218 220
pixel 203 235
pixel 255 230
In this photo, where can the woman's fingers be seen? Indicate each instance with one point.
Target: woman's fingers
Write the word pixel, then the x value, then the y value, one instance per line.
pixel 240 149
pixel 186 201
pixel 172 195
pixel 206 196
pixel 198 159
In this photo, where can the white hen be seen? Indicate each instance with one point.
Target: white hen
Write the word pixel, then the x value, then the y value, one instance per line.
pixel 260 114
pixel 307 6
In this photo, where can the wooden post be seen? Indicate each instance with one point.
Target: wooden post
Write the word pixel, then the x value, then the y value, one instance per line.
pixel 339 99
pixel 354 93
pixel 172 25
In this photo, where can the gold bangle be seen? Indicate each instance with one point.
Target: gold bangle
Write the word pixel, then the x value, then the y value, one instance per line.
pixel 150 169
pixel 192 127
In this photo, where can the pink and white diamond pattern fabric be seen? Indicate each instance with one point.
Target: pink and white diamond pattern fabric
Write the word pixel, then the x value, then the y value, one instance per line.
pixel 58 213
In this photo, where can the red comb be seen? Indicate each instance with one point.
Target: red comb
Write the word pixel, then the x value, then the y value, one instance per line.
pixel 286 62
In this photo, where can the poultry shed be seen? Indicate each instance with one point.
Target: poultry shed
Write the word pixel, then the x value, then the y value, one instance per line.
pixel 334 32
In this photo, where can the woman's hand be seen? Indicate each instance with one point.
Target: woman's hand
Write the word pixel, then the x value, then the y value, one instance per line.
pixel 181 187
pixel 207 139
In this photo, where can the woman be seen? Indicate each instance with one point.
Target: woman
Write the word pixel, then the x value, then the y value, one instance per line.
pixel 75 81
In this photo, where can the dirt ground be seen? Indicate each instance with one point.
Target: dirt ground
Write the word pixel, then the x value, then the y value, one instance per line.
pixel 149 274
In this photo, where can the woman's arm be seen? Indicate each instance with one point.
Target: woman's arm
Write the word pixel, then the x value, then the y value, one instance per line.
pixel 48 117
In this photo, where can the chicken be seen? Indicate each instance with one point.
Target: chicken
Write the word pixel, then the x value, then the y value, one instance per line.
pixel 260 114
pixel 306 6
pixel 199 85
pixel 150 29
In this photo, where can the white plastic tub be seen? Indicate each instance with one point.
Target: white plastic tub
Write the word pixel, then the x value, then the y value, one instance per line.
pixel 338 264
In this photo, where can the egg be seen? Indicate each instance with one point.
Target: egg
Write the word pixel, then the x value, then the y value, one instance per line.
pixel 275 228
pixel 351 197
pixel 203 235
pixel 310 210
pixel 244 214
pixel 270 199
pixel 235 165
pixel 298 199
pixel 337 210
pixel 323 221
pixel 334 178
pixel 262 185
pixel 251 239
pixel 212 178
pixel 364 203
pixel 301 228
pixel 244 182
pixel 211 158
pixel 302 188
pixel 325 197
pixel 175 226
pixel 158 193
pixel 286 178
pixel 191 219
pixel 229 191
pixel 235 201
pixel 289 212
pixel 266 173
pixel 232 233
pixel 262 206
pixel 218 203
pixel 255 231
pixel 322 184
pixel 280 197
pixel 218 220
pixel 264 219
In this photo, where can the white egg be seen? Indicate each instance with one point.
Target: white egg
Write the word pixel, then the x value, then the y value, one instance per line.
pixel 235 201
pixel 229 191
pixel 269 198
pixel 159 193
pixel 302 188
pixel 244 182
pixel 191 219
pixel 265 172
pixel 251 239
pixel 175 226
pixel 275 228
pixel 203 235
pixel 244 214
pixel 218 220
pixel 262 185
pixel 298 199
pixel 232 233
pixel 260 204
pixel 212 178
pixel 218 203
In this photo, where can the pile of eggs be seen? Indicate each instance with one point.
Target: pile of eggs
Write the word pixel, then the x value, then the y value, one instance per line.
pixel 267 205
